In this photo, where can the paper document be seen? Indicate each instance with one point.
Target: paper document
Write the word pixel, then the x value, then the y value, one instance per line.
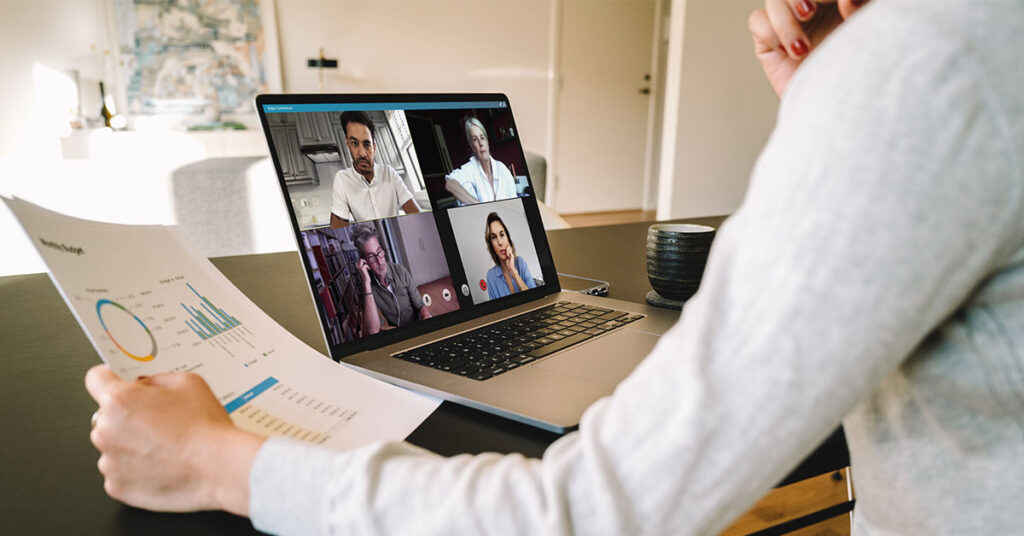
pixel 150 303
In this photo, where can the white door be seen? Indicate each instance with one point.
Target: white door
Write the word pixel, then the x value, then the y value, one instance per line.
pixel 603 106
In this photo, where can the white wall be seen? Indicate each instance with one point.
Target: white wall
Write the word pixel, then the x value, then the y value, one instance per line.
pixel 422 247
pixel 60 34
pixel 424 46
pixel 434 45
pixel 715 123
pixel 719 109
pixel 400 45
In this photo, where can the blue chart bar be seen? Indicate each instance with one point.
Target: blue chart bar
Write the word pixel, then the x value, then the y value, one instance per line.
pixel 250 394
pixel 208 320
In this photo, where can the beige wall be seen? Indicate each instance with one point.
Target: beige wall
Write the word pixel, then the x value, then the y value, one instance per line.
pixel 398 45
pixel 425 46
pixel 60 34
pixel 716 120
pixel 718 115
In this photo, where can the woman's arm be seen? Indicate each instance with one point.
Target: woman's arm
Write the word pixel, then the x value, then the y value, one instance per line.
pixel 853 244
pixel 524 272
pixel 455 188
pixel 785 32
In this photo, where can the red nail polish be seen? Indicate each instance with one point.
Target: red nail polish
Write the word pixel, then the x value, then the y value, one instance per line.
pixel 804 8
pixel 798 48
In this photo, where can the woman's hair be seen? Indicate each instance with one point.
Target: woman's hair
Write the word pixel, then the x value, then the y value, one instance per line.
pixel 473 122
pixel 491 218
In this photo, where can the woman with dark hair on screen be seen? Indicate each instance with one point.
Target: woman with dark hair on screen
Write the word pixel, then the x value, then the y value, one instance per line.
pixel 510 273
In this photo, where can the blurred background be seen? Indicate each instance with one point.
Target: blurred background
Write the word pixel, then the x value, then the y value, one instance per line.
pixel 635 109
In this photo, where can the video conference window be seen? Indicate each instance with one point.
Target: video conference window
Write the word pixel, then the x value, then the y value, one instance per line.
pixel 379 275
pixel 496 249
pixel 469 156
pixel 345 167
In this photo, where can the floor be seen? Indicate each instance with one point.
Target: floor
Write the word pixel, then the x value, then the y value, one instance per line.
pixel 591 219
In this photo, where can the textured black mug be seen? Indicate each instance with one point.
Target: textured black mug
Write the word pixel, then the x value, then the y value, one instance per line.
pixel 676 255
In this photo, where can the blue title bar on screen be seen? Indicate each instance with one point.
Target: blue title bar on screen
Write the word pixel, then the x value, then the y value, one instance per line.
pixel 371 106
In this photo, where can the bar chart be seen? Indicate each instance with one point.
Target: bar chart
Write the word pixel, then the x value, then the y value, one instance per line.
pixel 170 316
pixel 207 320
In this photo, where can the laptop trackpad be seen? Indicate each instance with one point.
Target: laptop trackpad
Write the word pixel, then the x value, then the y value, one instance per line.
pixel 607 360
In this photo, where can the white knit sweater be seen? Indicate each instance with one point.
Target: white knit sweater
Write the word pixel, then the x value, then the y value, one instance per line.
pixel 874 275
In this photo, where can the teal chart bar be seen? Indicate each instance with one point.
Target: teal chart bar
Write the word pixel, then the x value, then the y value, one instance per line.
pixel 208 320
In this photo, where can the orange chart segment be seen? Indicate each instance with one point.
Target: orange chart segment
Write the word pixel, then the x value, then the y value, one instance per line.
pixel 133 337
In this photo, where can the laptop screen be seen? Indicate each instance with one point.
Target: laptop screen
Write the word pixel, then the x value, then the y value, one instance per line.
pixel 412 212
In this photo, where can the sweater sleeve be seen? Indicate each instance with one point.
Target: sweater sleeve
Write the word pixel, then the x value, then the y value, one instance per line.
pixel 880 202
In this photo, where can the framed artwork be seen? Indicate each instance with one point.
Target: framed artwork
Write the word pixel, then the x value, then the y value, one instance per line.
pixel 203 60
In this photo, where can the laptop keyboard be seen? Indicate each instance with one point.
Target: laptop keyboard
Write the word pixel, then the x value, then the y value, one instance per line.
pixel 496 348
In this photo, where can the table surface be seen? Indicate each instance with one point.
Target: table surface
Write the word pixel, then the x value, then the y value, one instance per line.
pixel 50 483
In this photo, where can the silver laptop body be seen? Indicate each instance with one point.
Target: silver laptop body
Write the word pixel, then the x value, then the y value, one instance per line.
pixel 447 259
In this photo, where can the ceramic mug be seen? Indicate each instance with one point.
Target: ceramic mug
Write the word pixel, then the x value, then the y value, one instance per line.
pixel 676 256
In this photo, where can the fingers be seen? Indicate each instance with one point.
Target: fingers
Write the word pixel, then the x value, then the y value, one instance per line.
pixel 803 9
pixel 165 379
pixel 787 27
pixel 765 40
pixel 848 7
pixel 102 383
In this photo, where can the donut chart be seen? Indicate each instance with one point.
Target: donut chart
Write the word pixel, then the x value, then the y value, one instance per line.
pixel 132 342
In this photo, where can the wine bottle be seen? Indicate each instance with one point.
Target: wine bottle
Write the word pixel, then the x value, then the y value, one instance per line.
pixel 104 111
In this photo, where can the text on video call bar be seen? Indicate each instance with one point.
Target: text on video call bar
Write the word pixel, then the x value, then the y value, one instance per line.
pixel 369 106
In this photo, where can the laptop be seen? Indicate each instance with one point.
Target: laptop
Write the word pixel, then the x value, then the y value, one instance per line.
pixel 421 238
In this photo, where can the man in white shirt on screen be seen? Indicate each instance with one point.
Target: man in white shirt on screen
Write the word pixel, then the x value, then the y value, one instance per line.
pixel 366 191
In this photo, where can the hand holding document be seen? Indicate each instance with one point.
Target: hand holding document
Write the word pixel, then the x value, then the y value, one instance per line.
pixel 150 303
